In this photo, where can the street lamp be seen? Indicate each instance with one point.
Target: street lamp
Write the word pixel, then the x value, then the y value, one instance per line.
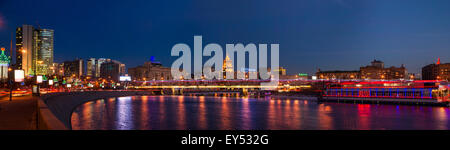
pixel 11 82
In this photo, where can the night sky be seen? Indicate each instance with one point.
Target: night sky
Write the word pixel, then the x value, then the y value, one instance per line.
pixel 326 34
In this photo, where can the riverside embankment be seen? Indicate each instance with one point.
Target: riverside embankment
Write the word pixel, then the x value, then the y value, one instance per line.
pixel 55 109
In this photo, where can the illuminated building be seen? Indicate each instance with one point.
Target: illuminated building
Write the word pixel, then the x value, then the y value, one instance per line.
pixel 44 50
pixel 112 70
pixel 98 64
pixel 227 67
pixel 93 66
pixel 377 71
pixel 436 71
pixel 414 76
pixel 34 50
pixel 54 68
pixel 59 70
pixel 337 74
pixel 287 77
pixel 150 71
pixel 282 71
pixel 374 71
pixel 24 48
pixel 4 65
pixel 73 68
pixel 90 67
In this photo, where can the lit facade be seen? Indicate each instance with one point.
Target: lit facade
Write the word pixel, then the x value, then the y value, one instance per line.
pixel 91 67
pixel 338 74
pixel 98 64
pixel 150 71
pixel 73 68
pixel 227 67
pixel 25 44
pixel 374 71
pixel 112 70
pixel 377 71
pixel 34 50
pixel 44 51
pixel 436 71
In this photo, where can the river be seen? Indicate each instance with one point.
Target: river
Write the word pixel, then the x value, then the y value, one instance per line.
pixel 225 113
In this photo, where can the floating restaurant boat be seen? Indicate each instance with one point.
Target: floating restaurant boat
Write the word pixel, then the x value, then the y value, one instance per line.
pixel 398 91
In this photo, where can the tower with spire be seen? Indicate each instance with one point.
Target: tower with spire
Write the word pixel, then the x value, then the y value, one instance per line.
pixel 227 66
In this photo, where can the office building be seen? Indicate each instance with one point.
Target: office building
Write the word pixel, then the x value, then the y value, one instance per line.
pixel 98 65
pixel 24 48
pixel 34 50
pixel 437 71
pixel 112 70
pixel 44 51
pixel 91 67
pixel 73 68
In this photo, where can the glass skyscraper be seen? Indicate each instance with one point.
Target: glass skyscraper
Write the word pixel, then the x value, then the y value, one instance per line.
pixel 44 59
pixel 34 50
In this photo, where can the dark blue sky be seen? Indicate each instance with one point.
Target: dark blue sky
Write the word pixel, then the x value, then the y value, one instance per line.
pixel 326 34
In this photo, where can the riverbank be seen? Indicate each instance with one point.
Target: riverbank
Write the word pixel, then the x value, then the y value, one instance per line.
pixel 61 105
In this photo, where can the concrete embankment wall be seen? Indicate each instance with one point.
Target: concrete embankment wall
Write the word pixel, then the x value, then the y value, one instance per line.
pixel 55 109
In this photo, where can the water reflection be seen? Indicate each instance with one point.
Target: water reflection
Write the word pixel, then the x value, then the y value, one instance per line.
pixel 225 116
pixel 364 111
pixel 145 114
pixel 181 121
pixel 246 114
pixel 124 114
pixel 212 113
pixel 202 119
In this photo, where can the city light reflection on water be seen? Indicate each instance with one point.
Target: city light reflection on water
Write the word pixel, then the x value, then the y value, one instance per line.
pixel 229 113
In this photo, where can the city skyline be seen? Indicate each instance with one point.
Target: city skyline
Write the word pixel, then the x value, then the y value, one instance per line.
pixel 330 35
pixel 226 73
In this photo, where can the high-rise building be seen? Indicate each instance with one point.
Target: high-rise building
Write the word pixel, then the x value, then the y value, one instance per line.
pixel 90 67
pixel 73 68
pixel 98 64
pixel 44 51
pixel 112 70
pixel 24 48
pixel 34 50
pixel 93 66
